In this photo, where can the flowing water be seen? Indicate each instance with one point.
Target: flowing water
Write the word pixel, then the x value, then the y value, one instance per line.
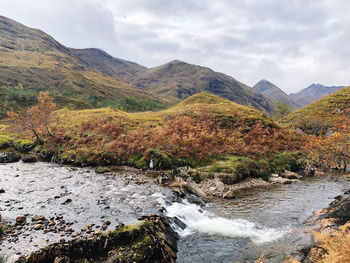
pixel 270 221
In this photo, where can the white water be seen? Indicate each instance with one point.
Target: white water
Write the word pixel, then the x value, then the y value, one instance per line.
pixel 205 222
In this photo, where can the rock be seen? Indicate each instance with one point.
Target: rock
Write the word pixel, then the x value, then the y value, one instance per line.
pixel 279 180
pixel 229 195
pixel 122 246
pixel 38 226
pixel 107 222
pixel 68 230
pixel 9 157
pixel 29 158
pixel 21 220
pixel 52 223
pixel 38 218
pixel 290 175
pixel 274 175
pixel 2 191
pixel 67 201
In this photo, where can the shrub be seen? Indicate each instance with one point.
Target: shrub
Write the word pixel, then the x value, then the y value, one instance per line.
pixel 24 145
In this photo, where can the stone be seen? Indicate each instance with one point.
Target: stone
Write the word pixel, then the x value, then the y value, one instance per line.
pixel 68 230
pixel 279 180
pixel 38 218
pixel 104 227
pixel 37 226
pixel 107 222
pixel 21 220
pixel 2 191
pixel 229 195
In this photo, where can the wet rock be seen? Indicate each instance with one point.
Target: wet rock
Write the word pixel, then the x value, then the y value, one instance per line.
pixel 29 158
pixel 68 230
pixel 38 226
pixel 38 218
pixel 229 195
pixel 21 220
pixel 290 175
pixel 9 157
pixel 280 180
pixel 2 191
pixel 67 201
pixel 107 222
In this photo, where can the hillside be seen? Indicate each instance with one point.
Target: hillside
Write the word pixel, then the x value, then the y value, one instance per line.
pixel 115 67
pixel 270 90
pixel 177 80
pixel 312 93
pixel 34 59
pixel 316 117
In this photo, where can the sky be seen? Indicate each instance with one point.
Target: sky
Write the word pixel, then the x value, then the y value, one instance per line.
pixel 291 43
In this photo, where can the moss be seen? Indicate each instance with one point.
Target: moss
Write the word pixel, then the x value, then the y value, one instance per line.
pixel 160 159
pixel 23 145
pixel 102 169
pixel 3 259
pixel 5 141
pixel 68 157
pixel 293 161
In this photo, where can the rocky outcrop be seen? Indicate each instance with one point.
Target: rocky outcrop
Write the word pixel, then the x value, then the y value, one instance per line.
pixel 152 240
pixel 9 157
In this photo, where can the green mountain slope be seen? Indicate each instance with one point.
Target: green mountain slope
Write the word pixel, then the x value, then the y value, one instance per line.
pixel 273 92
pixel 177 80
pixel 34 59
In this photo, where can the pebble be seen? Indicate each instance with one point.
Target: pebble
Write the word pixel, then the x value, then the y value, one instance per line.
pixel 37 227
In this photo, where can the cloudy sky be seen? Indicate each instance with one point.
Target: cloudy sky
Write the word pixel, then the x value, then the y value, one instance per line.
pixel 291 43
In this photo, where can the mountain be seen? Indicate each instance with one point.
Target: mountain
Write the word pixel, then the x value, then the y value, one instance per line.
pixel 177 80
pixel 313 93
pixel 35 60
pixel 315 118
pixel 115 67
pixel 270 90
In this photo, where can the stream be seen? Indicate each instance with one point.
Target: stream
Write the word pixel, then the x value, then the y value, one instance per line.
pixel 270 221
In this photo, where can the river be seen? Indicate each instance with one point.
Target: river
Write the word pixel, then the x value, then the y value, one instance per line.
pixel 271 221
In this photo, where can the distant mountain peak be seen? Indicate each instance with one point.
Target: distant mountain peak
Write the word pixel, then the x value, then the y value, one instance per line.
pixel 270 90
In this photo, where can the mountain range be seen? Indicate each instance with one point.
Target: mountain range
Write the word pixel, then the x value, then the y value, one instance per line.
pixel 33 59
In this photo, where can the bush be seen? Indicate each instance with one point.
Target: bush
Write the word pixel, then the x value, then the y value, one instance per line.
pixel 5 142
pixel 23 145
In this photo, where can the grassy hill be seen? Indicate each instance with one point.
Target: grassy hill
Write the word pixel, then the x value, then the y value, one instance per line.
pixel 35 60
pixel 317 117
pixel 177 80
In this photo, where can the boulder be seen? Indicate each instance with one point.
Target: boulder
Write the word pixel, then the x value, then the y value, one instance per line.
pixel 9 157
pixel 229 195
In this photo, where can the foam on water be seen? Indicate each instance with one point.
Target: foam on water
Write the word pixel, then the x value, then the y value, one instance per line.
pixel 205 222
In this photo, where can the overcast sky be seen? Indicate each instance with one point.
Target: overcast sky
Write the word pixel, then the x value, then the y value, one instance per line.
pixel 292 43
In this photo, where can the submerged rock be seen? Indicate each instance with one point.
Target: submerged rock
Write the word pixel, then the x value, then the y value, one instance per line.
pixel 9 157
